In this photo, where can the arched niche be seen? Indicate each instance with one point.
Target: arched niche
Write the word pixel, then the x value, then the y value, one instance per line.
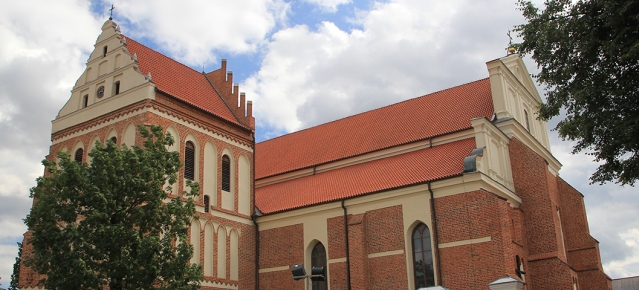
pixel 195 241
pixel 234 255
pixel 209 180
pixel 221 252
pixel 244 186
pixel 128 136
pixel 209 254
pixel 228 197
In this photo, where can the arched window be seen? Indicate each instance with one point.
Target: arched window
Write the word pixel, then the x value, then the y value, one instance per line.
pixel 206 203
pixel 114 140
pixel 318 259
pixel 226 173
pixel 78 155
pixel 189 160
pixel 423 257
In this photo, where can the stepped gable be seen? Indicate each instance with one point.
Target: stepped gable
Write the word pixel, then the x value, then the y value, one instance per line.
pixel 180 81
pixel 416 119
pixel 382 174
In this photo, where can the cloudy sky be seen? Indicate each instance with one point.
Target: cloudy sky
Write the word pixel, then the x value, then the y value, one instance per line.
pixel 301 62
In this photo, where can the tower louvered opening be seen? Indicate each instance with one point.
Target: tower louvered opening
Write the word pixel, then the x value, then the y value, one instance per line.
pixel 226 173
pixel 78 155
pixel 189 161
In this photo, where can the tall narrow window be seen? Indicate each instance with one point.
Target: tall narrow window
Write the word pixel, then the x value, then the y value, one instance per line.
pixel 527 121
pixel 207 203
pixel 116 89
pixel 520 268
pixel 78 155
pixel 318 259
pixel 423 257
pixel 104 51
pixel 85 101
pixel 189 161
pixel 226 173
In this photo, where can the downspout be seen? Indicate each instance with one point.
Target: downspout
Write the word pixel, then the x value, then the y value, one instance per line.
pixel 257 227
pixel 433 218
pixel 348 263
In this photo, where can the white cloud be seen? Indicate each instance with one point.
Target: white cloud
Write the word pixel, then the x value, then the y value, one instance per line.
pixel 405 48
pixel 328 5
pixel 42 53
pixel 7 259
pixel 192 30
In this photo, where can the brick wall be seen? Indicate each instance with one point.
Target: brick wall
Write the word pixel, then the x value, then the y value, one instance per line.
pixel 281 247
pixel 475 215
pixel 543 195
pixel 583 249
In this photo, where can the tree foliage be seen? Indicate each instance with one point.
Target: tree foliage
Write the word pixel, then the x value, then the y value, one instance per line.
pixel 15 277
pixel 588 53
pixel 111 222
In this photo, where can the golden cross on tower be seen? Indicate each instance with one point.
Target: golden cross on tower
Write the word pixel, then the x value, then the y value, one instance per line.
pixel 511 49
pixel 111 16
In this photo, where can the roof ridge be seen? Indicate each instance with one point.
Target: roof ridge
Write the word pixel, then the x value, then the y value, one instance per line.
pixel 373 110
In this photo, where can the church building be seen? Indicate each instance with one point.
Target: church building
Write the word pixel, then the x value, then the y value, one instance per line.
pixel 456 189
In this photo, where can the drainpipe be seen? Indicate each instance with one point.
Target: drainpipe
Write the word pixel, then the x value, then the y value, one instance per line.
pixel 257 227
pixel 348 263
pixel 433 218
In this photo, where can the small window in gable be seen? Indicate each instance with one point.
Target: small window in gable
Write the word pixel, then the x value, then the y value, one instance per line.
pixel 104 51
pixel 226 173
pixel 527 121
pixel 85 101
pixel 114 140
pixel 78 155
pixel 116 89
pixel 189 161
pixel 206 203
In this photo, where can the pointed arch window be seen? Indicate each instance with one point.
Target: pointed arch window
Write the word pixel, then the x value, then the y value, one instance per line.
pixel 318 259
pixel 189 160
pixel 226 173
pixel 114 140
pixel 423 257
pixel 79 154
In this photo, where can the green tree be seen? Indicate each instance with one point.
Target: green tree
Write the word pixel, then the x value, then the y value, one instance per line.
pixel 111 222
pixel 15 277
pixel 588 53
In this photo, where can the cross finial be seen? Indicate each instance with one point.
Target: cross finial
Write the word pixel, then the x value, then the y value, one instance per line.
pixel 112 7
pixel 511 49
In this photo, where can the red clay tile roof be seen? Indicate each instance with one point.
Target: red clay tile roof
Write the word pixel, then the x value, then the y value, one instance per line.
pixel 180 81
pixel 416 119
pixel 396 171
